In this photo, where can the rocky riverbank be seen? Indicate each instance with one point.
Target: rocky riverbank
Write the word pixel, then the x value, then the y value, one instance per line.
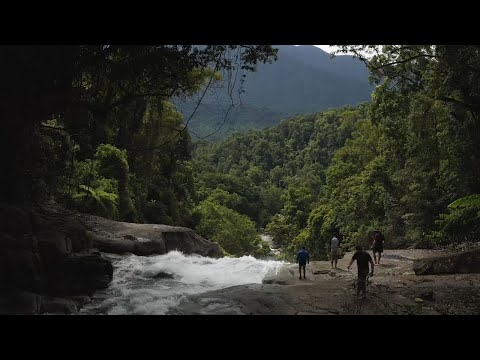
pixel 394 289
pixel 50 263
pixel 50 259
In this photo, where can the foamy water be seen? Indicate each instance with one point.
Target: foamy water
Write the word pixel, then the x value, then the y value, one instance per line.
pixel 137 288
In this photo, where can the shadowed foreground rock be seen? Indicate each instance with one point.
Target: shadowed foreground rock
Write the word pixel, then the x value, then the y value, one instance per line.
pixel 49 262
pixel 467 262
pixel 46 256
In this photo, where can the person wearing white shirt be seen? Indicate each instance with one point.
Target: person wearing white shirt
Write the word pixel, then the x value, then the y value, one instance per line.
pixel 334 250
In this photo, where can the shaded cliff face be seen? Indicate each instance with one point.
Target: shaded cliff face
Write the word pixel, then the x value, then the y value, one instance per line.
pixel 47 263
pixel 146 239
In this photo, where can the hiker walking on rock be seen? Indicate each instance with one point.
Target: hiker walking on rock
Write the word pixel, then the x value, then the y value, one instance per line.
pixel 377 247
pixel 303 259
pixel 334 251
pixel 362 258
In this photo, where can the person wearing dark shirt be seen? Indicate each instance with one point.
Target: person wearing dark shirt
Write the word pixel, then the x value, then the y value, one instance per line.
pixel 378 240
pixel 303 259
pixel 362 258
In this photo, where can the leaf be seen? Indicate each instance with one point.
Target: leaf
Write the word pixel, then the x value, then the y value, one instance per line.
pixel 470 201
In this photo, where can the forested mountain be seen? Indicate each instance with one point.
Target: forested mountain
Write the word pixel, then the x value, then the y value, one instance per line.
pixel 275 177
pixel 405 163
pixel 211 121
pixel 304 79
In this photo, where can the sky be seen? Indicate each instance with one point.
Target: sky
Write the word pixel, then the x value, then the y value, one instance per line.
pixel 326 48
pixel 329 48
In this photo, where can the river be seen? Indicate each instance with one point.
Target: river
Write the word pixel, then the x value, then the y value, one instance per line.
pixel 154 285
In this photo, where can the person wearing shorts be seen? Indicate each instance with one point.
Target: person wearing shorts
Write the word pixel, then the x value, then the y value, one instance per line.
pixel 303 259
pixel 363 259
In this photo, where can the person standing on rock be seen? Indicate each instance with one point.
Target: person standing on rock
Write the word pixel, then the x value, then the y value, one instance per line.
pixel 303 259
pixel 363 258
pixel 334 251
pixel 377 247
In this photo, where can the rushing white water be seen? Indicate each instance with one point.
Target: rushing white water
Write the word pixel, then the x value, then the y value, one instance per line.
pixel 156 284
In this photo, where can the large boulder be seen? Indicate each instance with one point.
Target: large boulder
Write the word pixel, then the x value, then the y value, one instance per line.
pixel 58 240
pixel 146 239
pixel 28 303
pixel 187 241
pixel 54 224
pixel 16 221
pixel 82 274
pixel 118 243
pixel 20 302
pixel 46 251
pixel 21 269
pixel 53 305
pixel 465 262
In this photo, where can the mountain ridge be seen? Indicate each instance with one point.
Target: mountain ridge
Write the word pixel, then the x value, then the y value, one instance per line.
pixel 304 79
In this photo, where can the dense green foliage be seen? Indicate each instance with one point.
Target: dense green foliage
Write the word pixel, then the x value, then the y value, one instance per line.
pixel 92 127
pixel 99 94
pixel 150 186
pixel 214 122
pixel 406 163
pixel 461 223
pixel 276 177
pixel 98 133
pixel 235 233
